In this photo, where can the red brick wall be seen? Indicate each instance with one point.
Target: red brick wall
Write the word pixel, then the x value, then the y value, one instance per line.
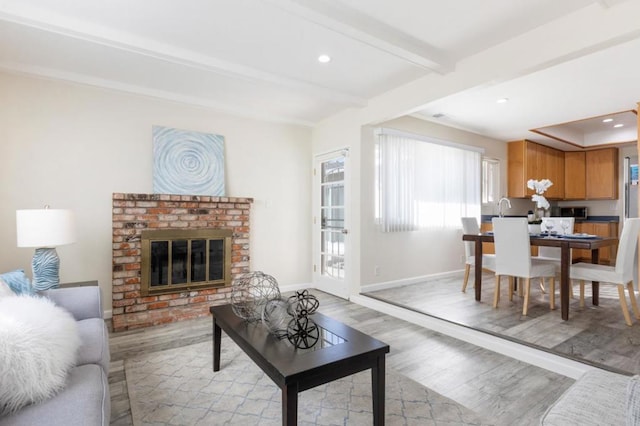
pixel 134 212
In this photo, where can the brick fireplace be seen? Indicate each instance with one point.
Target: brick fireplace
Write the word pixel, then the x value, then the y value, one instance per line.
pixel 133 213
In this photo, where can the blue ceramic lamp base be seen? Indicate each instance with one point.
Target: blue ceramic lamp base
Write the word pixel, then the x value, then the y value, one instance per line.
pixel 46 267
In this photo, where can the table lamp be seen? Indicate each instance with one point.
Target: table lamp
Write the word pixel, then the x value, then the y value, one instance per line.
pixel 45 229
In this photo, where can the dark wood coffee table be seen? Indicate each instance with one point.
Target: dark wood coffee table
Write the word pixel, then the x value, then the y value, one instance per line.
pixel 345 351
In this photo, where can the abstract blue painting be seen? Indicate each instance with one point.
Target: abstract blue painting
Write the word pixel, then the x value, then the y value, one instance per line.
pixel 187 163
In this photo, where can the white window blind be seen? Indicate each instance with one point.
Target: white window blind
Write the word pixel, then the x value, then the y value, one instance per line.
pixel 424 182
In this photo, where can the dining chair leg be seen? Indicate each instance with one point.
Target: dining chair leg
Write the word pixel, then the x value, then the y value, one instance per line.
pixel 552 294
pixel 511 280
pixel 467 268
pixel 496 292
pixel 527 290
pixel 634 301
pixel 623 305
pixel 520 289
pixel 542 286
pixel 571 291
pixel 582 293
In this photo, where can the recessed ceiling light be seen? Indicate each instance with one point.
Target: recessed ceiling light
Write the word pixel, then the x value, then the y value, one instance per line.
pixel 503 100
pixel 618 125
pixel 607 120
pixel 324 59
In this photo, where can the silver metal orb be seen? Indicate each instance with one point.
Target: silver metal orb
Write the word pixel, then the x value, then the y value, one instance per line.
pixel 251 292
pixel 276 317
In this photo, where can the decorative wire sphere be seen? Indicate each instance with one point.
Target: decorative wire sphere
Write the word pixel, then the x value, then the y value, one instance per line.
pixel 303 304
pixel 303 333
pixel 251 292
pixel 276 317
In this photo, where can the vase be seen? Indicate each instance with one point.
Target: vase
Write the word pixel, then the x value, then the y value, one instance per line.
pixel 540 213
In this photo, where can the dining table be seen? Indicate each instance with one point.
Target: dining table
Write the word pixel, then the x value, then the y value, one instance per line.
pixel 565 243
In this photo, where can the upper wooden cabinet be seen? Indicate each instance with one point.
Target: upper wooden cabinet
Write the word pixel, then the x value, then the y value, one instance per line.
pixel 601 167
pixel 591 175
pixel 529 160
pixel 554 168
pixel 575 185
pixel 585 175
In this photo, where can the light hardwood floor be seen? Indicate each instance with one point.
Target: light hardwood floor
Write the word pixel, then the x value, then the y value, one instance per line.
pixel 594 334
pixel 496 387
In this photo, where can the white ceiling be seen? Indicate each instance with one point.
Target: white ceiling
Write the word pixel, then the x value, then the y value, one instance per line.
pixel 259 57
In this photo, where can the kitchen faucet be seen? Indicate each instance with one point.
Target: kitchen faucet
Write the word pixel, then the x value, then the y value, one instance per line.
pixel 500 205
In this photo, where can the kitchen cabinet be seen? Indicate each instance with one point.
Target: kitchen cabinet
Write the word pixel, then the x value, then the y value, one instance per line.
pixel 517 169
pixel 591 175
pixel 601 229
pixel 575 185
pixel 601 167
pixel 584 175
pixel 529 160
pixel 487 248
pixel 554 169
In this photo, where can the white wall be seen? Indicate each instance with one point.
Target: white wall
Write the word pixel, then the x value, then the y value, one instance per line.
pixel 72 146
pixel 404 255
pixel 398 255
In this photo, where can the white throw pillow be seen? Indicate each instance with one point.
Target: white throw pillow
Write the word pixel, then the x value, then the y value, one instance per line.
pixel 5 290
pixel 38 345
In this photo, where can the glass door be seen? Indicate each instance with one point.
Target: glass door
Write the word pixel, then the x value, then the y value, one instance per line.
pixel 330 224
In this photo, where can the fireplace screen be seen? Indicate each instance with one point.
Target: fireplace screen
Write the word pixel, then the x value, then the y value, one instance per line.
pixel 177 260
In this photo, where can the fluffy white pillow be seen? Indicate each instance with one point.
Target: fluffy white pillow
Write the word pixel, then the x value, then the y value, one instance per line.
pixel 38 345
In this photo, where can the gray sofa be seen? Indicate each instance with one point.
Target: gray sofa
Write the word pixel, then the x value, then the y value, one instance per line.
pixel 597 398
pixel 85 400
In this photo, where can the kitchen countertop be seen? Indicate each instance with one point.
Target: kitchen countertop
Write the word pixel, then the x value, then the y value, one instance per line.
pixel 607 219
pixel 615 219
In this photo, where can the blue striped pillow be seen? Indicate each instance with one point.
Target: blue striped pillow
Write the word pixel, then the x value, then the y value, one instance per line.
pixel 5 290
pixel 18 281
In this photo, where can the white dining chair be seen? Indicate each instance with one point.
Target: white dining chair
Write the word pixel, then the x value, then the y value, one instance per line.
pixel 513 259
pixel 470 226
pixel 620 275
pixel 553 254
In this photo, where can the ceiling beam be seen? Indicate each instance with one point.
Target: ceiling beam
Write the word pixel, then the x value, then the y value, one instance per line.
pixel 358 26
pixel 225 107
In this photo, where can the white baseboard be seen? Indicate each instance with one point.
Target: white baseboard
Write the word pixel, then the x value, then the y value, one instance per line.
pixel 539 358
pixel 407 281
pixel 294 287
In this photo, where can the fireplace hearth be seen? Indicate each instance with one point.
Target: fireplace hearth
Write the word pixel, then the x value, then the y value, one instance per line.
pixel 174 256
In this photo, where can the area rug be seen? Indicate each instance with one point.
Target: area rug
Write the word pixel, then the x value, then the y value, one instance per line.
pixel 178 387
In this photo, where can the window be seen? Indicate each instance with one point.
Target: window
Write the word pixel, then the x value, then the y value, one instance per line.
pixel 490 180
pixel 425 182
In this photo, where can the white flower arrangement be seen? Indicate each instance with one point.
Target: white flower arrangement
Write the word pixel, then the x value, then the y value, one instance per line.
pixel 539 186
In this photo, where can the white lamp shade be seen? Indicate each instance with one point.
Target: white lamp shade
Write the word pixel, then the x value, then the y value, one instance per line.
pixel 45 227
